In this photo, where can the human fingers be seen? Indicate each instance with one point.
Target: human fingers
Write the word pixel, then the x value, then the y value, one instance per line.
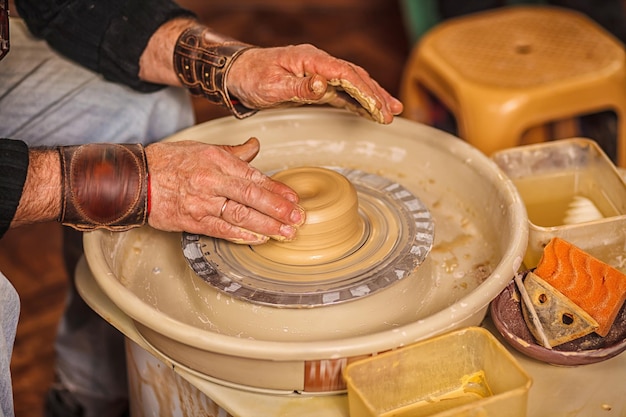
pixel 242 216
pixel 254 196
pixel 190 183
pixel 270 77
pixel 246 151
pixel 253 203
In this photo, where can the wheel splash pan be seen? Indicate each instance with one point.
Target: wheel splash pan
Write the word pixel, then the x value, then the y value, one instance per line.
pixel 480 239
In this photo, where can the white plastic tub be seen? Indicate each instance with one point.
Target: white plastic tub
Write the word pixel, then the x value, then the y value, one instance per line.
pixel 480 238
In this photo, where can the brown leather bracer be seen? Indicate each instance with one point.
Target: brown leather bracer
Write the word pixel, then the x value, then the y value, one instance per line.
pixel 104 186
pixel 202 67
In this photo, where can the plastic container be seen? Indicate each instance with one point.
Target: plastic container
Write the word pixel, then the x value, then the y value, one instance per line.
pixel 462 373
pixel 549 176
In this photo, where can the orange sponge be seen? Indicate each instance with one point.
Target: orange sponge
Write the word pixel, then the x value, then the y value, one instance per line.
pixel 594 286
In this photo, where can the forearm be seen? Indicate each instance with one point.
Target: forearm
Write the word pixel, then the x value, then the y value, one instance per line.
pixel 245 78
pixel 41 195
pixel 107 37
pixel 185 52
pixel 85 187
pixel 156 64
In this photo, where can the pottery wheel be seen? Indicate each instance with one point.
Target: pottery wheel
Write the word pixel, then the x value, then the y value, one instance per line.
pixel 363 232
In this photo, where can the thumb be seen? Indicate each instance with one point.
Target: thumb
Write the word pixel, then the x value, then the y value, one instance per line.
pixel 309 88
pixel 246 151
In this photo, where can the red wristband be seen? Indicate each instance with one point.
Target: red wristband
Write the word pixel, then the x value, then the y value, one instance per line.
pixel 148 198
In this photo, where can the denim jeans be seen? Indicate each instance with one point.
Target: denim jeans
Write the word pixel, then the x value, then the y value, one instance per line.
pixel 9 313
pixel 46 100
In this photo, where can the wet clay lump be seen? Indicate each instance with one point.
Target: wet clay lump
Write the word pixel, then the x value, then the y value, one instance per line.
pixel 333 228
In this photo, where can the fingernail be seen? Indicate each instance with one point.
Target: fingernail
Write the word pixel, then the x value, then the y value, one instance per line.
pixel 286 233
pixel 317 86
pixel 293 198
pixel 297 216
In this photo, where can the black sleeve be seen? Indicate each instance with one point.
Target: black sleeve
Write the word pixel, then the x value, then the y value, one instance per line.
pixel 13 169
pixel 106 36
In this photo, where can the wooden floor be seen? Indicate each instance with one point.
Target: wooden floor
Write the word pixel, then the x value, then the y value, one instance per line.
pixel 367 32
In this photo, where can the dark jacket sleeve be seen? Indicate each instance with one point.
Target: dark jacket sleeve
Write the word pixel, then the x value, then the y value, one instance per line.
pixel 13 169
pixel 106 36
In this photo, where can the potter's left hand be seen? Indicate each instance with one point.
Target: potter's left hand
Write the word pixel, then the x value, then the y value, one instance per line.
pixel 263 78
pixel 213 190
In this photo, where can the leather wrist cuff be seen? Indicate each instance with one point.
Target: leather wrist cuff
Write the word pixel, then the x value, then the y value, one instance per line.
pixel 104 186
pixel 202 67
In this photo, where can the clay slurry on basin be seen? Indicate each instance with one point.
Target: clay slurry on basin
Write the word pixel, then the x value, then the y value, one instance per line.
pixel 333 228
pixel 363 233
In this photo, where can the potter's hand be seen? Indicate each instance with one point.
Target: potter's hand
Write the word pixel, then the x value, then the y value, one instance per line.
pixel 245 78
pixel 212 190
pixel 262 78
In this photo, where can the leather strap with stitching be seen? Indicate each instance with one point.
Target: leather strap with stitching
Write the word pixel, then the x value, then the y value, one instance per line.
pixel 202 67
pixel 104 186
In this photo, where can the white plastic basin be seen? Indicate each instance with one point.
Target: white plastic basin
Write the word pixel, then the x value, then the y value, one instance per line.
pixel 481 232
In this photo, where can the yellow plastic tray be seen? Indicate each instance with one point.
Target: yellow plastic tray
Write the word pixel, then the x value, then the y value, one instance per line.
pixel 462 373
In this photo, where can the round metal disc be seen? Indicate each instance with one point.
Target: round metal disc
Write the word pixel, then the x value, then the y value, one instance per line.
pixel 389 252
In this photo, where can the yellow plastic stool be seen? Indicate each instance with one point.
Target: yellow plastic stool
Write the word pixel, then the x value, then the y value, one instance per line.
pixel 504 72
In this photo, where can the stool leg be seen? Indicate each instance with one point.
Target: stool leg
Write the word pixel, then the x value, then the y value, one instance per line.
pixel 534 135
pixel 490 137
pixel 565 128
pixel 417 104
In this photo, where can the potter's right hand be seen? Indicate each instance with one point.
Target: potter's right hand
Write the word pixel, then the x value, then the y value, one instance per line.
pixel 213 190
pixel 263 78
